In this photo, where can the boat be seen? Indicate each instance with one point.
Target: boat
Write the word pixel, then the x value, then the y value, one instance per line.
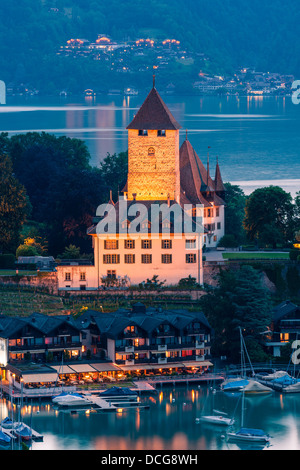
pixel 7 423
pixel 255 387
pixel 23 431
pixel 217 419
pixel 249 434
pixel 118 394
pixel 70 399
pixel 4 438
pixel 234 385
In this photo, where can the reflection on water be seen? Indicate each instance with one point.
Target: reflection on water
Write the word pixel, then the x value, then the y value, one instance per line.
pixel 171 423
pixel 255 138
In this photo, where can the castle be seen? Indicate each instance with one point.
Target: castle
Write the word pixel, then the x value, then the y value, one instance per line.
pixel 189 205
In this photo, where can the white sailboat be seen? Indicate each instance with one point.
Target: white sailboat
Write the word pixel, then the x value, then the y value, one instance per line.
pixel 247 434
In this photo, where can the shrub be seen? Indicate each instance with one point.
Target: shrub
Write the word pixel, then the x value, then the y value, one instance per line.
pixel 228 241
pixel 294 255
pixel 7 261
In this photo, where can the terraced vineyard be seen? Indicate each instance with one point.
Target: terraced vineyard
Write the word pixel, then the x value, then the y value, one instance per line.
pixel 23 302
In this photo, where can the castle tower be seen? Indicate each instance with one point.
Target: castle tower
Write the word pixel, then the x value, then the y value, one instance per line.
pixel 153 152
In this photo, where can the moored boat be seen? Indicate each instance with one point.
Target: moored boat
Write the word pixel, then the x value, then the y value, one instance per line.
pixel 249 434
pixel 70 399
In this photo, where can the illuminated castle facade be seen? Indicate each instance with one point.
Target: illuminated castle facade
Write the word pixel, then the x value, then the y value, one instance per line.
pixel 163 174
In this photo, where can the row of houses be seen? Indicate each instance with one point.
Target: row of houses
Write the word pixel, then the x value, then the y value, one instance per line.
pixel 42 349
pixel 102 344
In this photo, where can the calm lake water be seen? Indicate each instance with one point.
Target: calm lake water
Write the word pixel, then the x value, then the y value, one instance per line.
pixel 257 139
pixel 170 424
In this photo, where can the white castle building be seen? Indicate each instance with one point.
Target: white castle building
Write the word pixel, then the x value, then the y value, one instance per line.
pixel 169 209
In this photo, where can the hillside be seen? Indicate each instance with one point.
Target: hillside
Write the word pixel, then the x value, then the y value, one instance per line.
pixel 262 34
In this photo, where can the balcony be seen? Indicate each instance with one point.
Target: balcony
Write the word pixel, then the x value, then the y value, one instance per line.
pixel 162 347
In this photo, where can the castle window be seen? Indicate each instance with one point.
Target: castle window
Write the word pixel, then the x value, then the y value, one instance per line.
pixel 166 244
pixel 151 152
pixel 111 244
pixel 161 133
pixel 166 259
pixel 143 132
pixel 146 244
pixel 190 258
pixel 111 274
pixel 82 277
pixel 129 259
pixel 111 259
pixel 190 244
pixel 146 259
pixel 67 276
pixel 129 244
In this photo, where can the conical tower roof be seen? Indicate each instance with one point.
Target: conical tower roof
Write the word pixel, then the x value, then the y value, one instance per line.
pixel 154 114
pixel 193 175
pixel 218 180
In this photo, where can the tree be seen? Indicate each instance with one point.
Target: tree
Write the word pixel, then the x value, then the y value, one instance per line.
pixel 14 206
pixel 26 250
pixel 235 212
pixel 71 252
pixel 269 215
pixel 239 301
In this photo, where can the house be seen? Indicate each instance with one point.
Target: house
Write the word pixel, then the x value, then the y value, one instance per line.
pixel 146 339
pixel 170 207
pixel 40 349
pixel 285 327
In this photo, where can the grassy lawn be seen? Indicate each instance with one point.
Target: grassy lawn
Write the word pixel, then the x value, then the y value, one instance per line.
pixel 256 255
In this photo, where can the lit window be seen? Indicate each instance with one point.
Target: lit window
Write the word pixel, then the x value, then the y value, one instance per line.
pixel 111 244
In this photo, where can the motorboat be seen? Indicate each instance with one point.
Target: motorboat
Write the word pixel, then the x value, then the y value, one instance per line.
pixel 249 434
pixel 70 399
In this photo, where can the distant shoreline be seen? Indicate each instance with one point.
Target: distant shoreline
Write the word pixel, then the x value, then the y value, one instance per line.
pixel 289 185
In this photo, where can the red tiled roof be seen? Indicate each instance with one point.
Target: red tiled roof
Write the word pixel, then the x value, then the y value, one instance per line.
pixel 154 115
pixel 193 175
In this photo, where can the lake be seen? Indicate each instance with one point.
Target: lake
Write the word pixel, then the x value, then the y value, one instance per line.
pixel 256 139
pixel 171 423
